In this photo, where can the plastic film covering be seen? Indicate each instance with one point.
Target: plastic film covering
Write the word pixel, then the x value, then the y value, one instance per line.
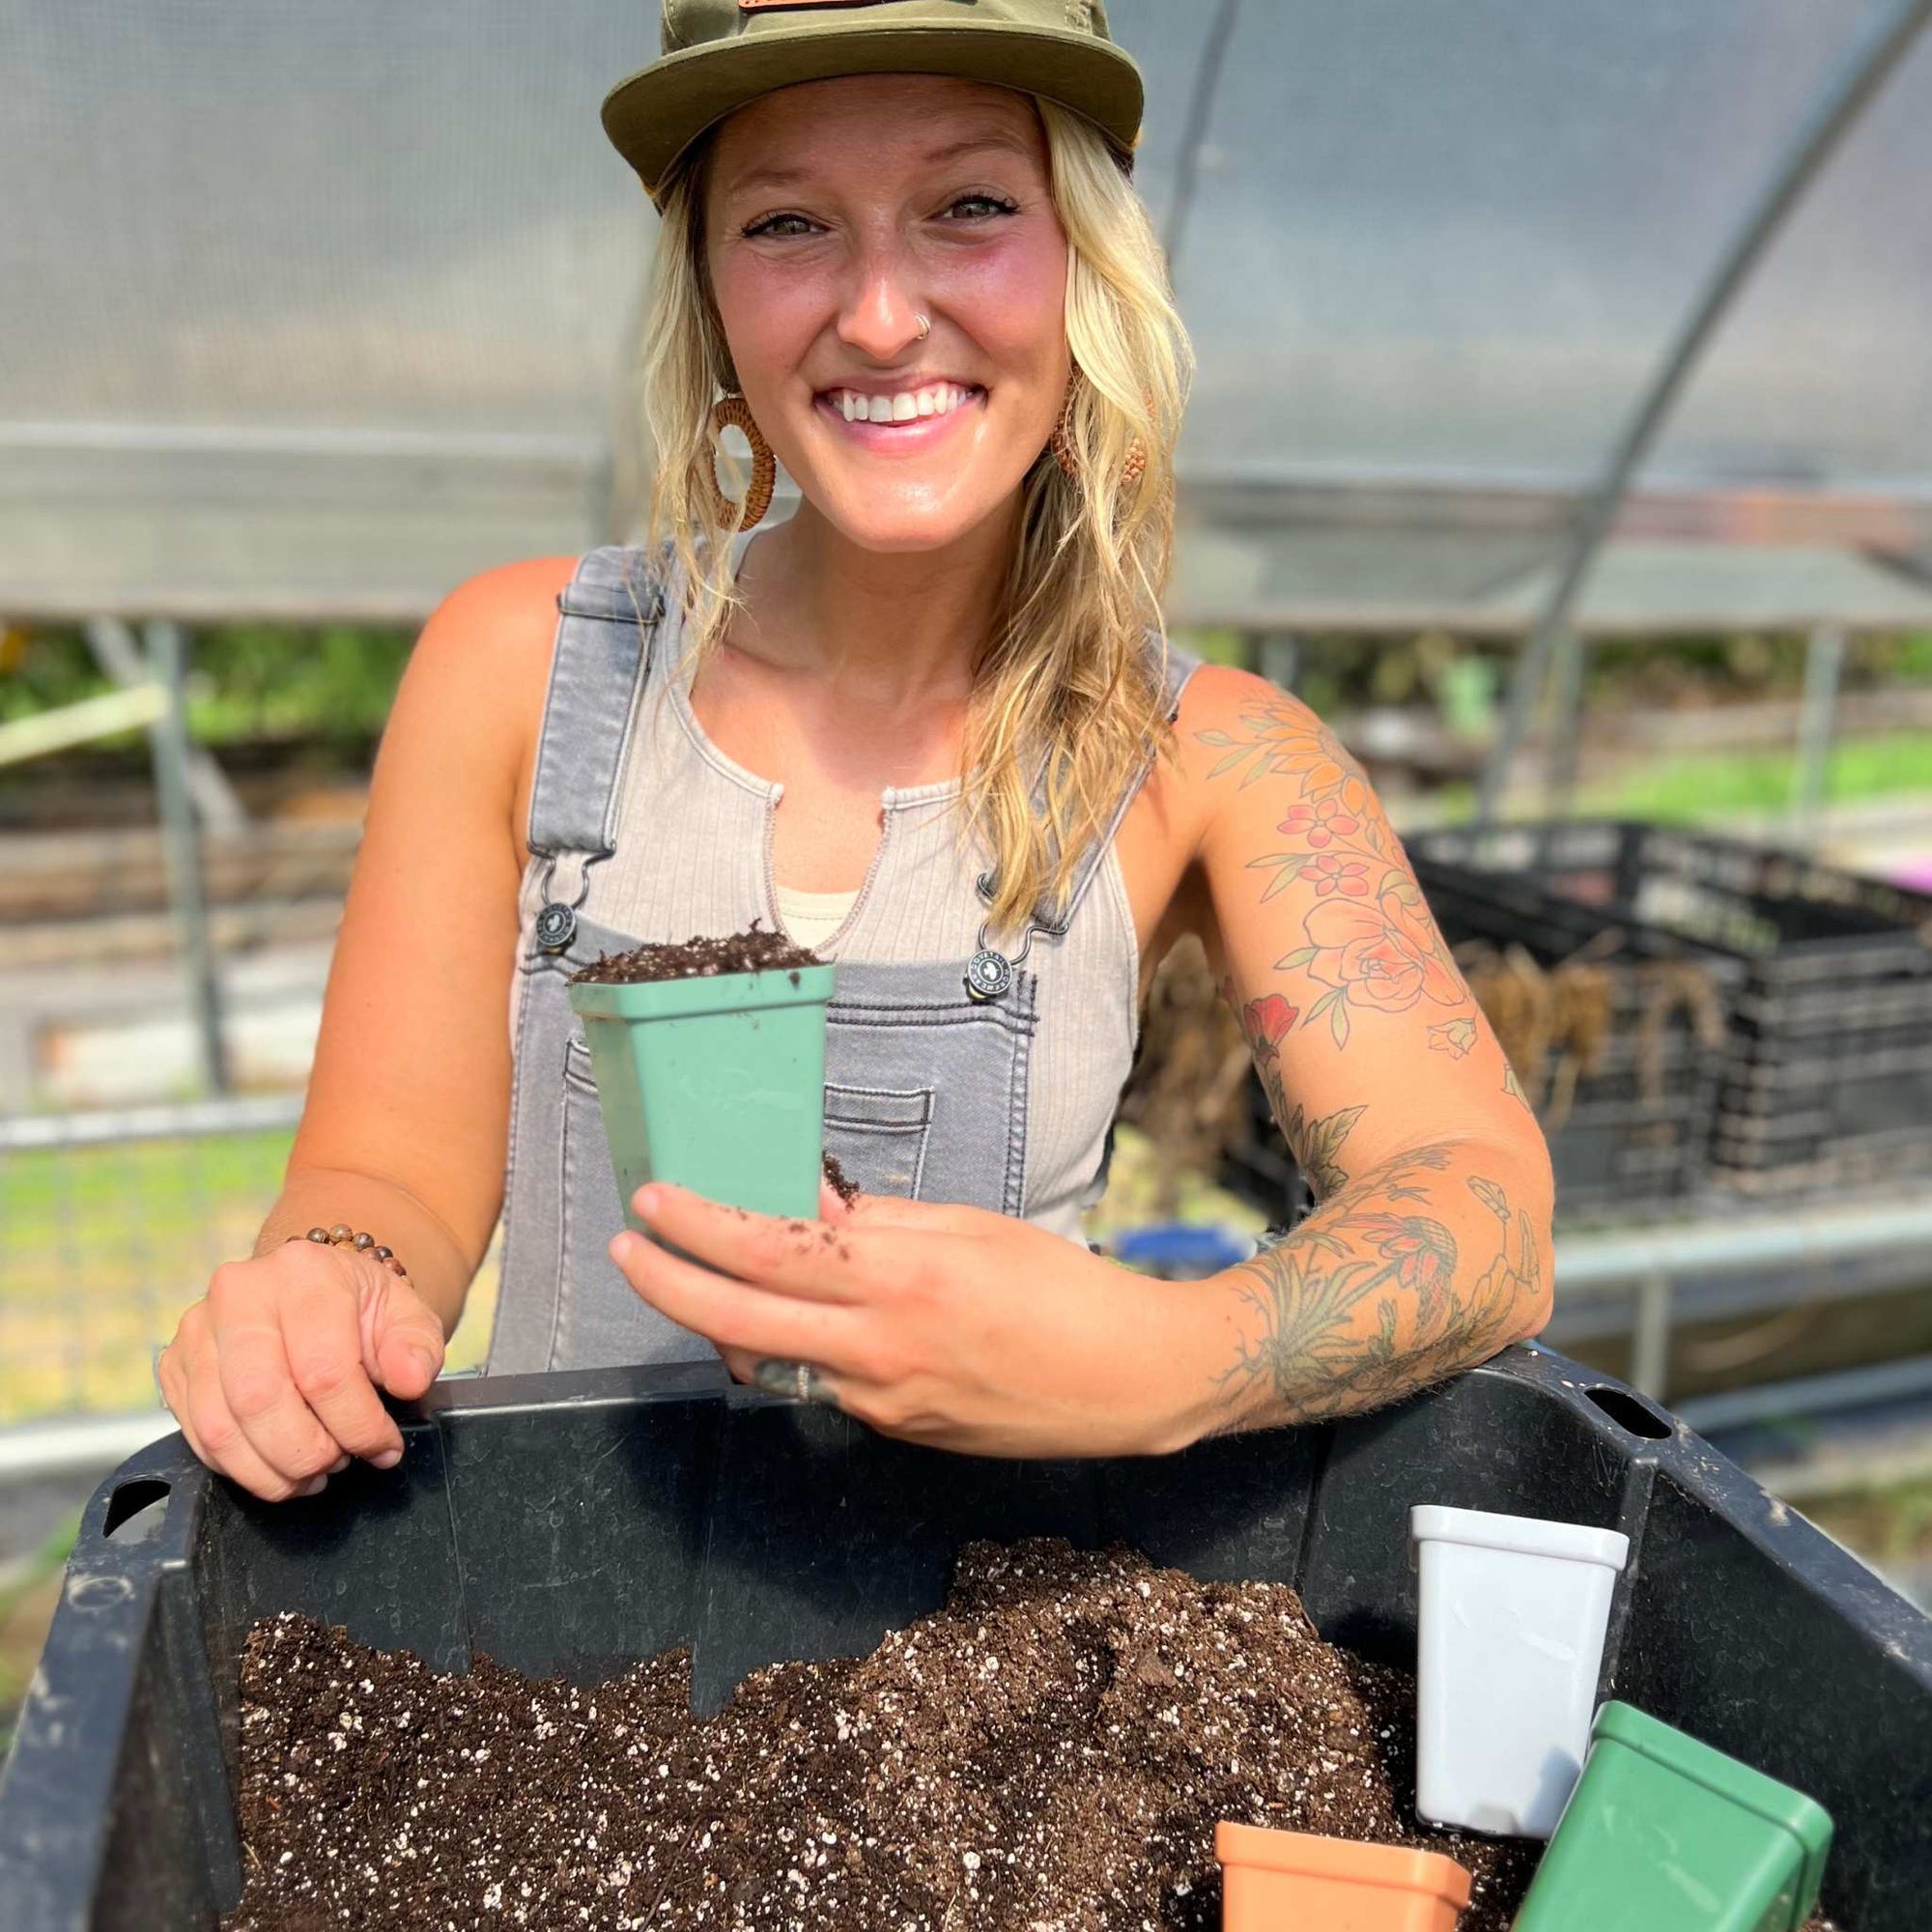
pixel 323 307
pixel 1450 244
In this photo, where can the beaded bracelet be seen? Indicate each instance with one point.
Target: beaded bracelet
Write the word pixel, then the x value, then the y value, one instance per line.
pixel 342 1235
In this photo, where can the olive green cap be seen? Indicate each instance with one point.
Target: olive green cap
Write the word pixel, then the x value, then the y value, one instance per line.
pixel 718 54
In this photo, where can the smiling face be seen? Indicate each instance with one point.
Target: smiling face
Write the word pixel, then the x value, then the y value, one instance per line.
pixel 837 213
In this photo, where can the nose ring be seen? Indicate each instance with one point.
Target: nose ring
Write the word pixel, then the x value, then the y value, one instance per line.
pixel 925 325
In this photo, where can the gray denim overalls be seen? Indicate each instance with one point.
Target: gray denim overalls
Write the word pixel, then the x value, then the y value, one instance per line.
pixel 927 1081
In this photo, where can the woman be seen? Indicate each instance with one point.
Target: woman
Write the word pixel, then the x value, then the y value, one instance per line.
pixel 931 725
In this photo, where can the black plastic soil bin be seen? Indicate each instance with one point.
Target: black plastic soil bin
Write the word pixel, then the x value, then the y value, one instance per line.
pixel 1828 1073
pixel 573 1524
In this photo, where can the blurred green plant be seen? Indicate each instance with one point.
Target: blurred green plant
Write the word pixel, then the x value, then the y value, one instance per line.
pixel 330 685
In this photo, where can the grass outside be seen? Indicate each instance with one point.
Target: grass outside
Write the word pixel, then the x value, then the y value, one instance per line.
pixel 1703 786
pixel 1683 790
pixel 102 1248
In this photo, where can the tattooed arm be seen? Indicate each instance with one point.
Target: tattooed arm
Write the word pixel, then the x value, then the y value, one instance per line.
pixel 1428 1250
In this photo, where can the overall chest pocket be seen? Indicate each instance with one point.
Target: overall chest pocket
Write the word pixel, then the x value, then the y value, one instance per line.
pixel 878 1135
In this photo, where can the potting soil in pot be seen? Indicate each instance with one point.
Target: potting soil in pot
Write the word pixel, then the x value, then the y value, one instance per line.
pixel 1049 1753
pixel 753 951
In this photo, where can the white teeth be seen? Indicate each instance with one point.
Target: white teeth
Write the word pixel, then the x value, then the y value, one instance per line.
pixel 907 406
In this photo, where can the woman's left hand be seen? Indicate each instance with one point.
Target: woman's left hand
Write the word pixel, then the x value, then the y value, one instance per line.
pixel 949 1325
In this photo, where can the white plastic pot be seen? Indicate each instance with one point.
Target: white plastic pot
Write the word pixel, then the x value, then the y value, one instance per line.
pixel 1512 1612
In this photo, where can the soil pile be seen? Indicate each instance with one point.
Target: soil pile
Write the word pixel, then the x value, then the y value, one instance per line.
pixel 1049 1753
pixel 753 951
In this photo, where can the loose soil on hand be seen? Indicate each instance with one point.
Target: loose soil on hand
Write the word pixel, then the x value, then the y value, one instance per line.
pixel 753 951
pixel 846 1189
pixel 1050 1752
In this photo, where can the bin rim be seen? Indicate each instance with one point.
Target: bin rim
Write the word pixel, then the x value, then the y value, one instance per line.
pixel 1521 1535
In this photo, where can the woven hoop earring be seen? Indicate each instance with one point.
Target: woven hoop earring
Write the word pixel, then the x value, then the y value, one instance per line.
pixel 734 413
pixel 1063 453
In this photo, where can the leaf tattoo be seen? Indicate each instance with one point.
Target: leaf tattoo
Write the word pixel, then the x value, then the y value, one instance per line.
pixel 1318 1148
pixel 1492 1197
pixel 1310 1356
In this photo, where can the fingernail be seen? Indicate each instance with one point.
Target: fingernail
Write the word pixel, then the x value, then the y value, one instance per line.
pixel 336 1468
pixel 648 1199
pixel 314 1486
pixel 427 1365
pixel 623 1246
pixel 388 1459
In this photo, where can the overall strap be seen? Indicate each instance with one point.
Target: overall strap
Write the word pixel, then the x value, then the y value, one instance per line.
pixel 607 620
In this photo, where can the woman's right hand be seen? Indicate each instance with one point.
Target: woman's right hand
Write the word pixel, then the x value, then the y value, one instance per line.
pixel 273 1374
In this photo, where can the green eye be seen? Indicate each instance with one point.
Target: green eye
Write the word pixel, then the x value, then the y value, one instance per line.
pixel 979 207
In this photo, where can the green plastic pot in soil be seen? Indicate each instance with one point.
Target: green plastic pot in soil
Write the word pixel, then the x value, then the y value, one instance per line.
pixel 1664 1834
pixel 714 1084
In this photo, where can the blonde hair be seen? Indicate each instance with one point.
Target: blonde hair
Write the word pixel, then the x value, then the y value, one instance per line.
pixel 1068 694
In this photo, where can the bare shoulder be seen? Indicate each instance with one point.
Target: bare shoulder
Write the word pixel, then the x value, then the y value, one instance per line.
pixel 1235 723
pixel 502 618
pixel 477 678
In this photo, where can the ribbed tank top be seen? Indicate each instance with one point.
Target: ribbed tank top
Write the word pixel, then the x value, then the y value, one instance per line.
pixel 694 842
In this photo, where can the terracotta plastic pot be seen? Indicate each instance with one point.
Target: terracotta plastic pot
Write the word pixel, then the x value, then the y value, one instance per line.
pixel 1664 1834
pixel 715 1084
pixel 1294 1882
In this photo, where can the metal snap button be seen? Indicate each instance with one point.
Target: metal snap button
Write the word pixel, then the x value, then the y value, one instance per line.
pixel 989 975
pixel 557 926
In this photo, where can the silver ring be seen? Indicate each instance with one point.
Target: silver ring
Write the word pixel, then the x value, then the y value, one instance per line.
pixel 925 325
pixel 798 1381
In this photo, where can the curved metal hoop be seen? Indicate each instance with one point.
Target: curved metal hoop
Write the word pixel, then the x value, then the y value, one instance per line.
pixel 734 413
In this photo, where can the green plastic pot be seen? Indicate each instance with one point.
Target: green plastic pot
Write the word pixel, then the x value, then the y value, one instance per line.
pixel 1664 1834
pixel 714 1084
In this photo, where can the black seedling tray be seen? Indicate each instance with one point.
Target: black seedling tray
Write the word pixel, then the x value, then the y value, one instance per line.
pixel 1828 1075
pixel 571 1524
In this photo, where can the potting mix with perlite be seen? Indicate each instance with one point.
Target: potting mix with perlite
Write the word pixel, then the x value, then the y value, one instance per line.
pixel 1052 1752
pixel 1052 1749
pixel 753 951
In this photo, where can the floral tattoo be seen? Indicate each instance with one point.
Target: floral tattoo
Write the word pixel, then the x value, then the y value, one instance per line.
pixel 1372 945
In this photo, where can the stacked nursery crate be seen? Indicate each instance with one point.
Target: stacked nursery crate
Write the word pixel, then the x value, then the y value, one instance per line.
pixel 1617 1035
pixel 1827 1077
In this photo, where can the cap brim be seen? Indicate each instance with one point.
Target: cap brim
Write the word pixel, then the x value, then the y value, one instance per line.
pixel 656 114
